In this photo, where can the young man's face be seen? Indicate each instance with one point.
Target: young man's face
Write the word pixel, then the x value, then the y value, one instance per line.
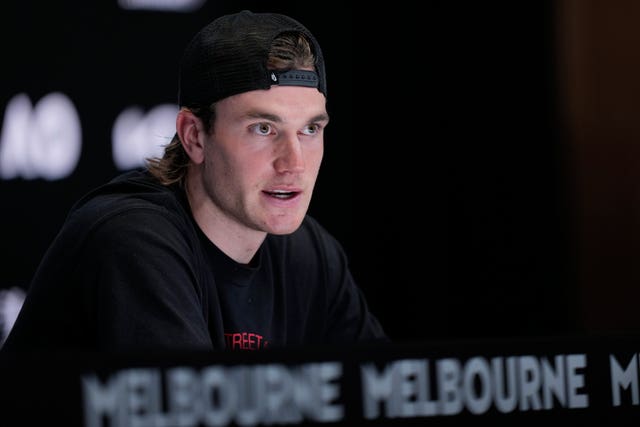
pixel 263 156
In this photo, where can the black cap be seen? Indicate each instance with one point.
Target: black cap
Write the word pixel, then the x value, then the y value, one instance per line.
pixel 229 56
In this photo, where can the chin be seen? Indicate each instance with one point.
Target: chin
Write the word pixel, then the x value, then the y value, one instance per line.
pixel 280 227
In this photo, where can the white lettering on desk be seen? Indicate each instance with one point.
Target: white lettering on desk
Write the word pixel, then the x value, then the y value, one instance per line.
pixel 404 388
pixel 622 379
pixel 214 396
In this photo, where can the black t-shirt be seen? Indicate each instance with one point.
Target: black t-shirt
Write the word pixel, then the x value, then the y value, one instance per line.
pixel 131 270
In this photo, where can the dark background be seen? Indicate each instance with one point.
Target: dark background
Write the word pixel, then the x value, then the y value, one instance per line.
pixel 465 197
pixel 455 172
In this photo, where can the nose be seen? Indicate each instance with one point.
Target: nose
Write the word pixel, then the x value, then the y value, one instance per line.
pixel 289 155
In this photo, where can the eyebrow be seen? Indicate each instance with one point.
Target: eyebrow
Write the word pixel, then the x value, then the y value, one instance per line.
pixel 278 119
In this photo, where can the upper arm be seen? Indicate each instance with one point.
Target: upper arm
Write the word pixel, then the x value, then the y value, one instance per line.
pixel 141 275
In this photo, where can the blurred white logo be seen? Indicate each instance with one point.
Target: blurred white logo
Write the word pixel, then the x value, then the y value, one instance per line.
pixel 10 304
pixel 44 141
pixel 165 5
pixel 137 136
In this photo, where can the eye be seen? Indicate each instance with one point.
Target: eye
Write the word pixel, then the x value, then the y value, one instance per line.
pixel 262 128
pixel 311 129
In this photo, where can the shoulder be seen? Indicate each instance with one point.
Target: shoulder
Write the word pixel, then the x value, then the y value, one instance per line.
pixel 128 193
pixel 132 203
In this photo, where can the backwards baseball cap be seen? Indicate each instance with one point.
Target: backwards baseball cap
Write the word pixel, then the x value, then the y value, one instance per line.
pixel 229 56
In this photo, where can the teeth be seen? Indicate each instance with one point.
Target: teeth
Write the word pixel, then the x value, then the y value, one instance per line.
pixel 281 194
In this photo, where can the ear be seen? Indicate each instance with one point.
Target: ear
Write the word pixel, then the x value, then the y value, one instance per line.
pixel 191 132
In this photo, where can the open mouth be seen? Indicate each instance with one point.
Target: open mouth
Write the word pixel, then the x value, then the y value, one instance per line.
pixel 282 195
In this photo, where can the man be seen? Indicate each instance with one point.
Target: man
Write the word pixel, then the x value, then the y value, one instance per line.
pixel 210 247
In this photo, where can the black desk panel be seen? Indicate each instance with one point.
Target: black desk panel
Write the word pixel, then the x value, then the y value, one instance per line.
pixel 574 380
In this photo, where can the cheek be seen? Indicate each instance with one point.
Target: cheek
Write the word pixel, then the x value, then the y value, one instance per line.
pixel 314 158
pixel 237 169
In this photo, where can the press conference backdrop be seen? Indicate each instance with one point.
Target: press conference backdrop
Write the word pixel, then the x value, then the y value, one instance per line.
pixel 450 216
pixel 89 90
pixel 448 172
